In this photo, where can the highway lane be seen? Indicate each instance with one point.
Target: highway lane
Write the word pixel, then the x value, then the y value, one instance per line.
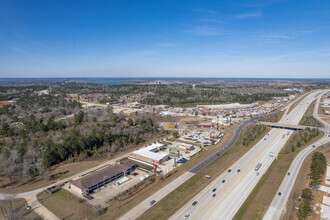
pixel 237 187
pixel 278 205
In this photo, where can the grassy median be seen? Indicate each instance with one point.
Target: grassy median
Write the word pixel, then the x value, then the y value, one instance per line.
pixel 263 193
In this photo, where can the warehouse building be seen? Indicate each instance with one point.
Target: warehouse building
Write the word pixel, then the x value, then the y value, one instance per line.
pixel 99 178
pixel 152 154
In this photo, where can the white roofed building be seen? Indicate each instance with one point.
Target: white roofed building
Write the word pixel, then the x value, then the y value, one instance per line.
pixel 152 154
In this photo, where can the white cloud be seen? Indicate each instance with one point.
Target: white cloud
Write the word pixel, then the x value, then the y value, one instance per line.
pixel 205 31
pixel 248 15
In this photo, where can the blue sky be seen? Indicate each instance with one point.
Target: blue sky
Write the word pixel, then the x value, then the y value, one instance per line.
pixel 182 38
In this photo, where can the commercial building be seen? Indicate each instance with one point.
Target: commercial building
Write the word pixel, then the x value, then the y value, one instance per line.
pixel 152 154
pixel 99 178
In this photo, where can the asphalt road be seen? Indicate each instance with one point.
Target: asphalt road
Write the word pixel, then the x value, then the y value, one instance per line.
pixel 161 193
pixel 231 194
pixel 278 206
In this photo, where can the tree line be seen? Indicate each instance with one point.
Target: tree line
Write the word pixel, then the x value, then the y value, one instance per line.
pixel 252 132
pixel 300 138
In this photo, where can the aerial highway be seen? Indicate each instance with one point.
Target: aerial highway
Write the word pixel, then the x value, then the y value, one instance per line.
pixel 278 206
pixel 161 193
pixel 225 195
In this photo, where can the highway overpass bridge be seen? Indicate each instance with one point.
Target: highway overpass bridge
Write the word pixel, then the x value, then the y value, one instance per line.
pixel 285 126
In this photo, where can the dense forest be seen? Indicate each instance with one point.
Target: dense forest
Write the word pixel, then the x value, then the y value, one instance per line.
pixel 180 94
pixel 37 145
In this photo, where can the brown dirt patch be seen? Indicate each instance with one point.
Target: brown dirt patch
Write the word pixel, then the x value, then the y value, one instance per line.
pixel 2 103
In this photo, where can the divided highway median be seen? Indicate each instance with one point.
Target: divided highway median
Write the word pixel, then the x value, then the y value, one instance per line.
pixel 260 198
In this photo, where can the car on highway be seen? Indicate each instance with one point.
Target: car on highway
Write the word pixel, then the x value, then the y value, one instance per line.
pixel 289 173
pixel 152 202
pixel 229 170
pixel 279 193
pixel 313 145
pixel 215 189
pixel 186 216
pixel 239 170
pixel 214 195
pixel 257 173
pixel 223 181
pixel 194 203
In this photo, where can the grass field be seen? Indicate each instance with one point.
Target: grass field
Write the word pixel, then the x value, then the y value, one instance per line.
pixel 65 206
pixel 260 198
pixel 18 210
pixel 180 196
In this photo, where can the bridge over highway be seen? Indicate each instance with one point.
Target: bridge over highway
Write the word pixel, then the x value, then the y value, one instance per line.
pixel 286 126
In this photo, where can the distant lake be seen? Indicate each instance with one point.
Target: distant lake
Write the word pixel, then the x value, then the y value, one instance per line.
pixel 109 83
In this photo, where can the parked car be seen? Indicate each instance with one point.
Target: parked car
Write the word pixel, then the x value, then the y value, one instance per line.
pixel 229 170
pixel 289 173
pixel 194 203
pixel 186 216
pixel 215 189
pixel 152 202
pixel 27 207
pixel 223 181
pixel 239 170
pixel 279 194
pixel 214 195
pixel 135 174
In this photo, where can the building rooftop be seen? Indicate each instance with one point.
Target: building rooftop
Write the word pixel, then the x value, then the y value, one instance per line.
pixel 152 152
pixel 100 175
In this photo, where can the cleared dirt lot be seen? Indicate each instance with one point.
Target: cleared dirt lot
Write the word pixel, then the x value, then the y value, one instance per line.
pixel 2 103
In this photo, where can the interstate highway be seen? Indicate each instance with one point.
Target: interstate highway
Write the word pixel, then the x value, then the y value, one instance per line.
pixel 238 185
pixel 278 206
